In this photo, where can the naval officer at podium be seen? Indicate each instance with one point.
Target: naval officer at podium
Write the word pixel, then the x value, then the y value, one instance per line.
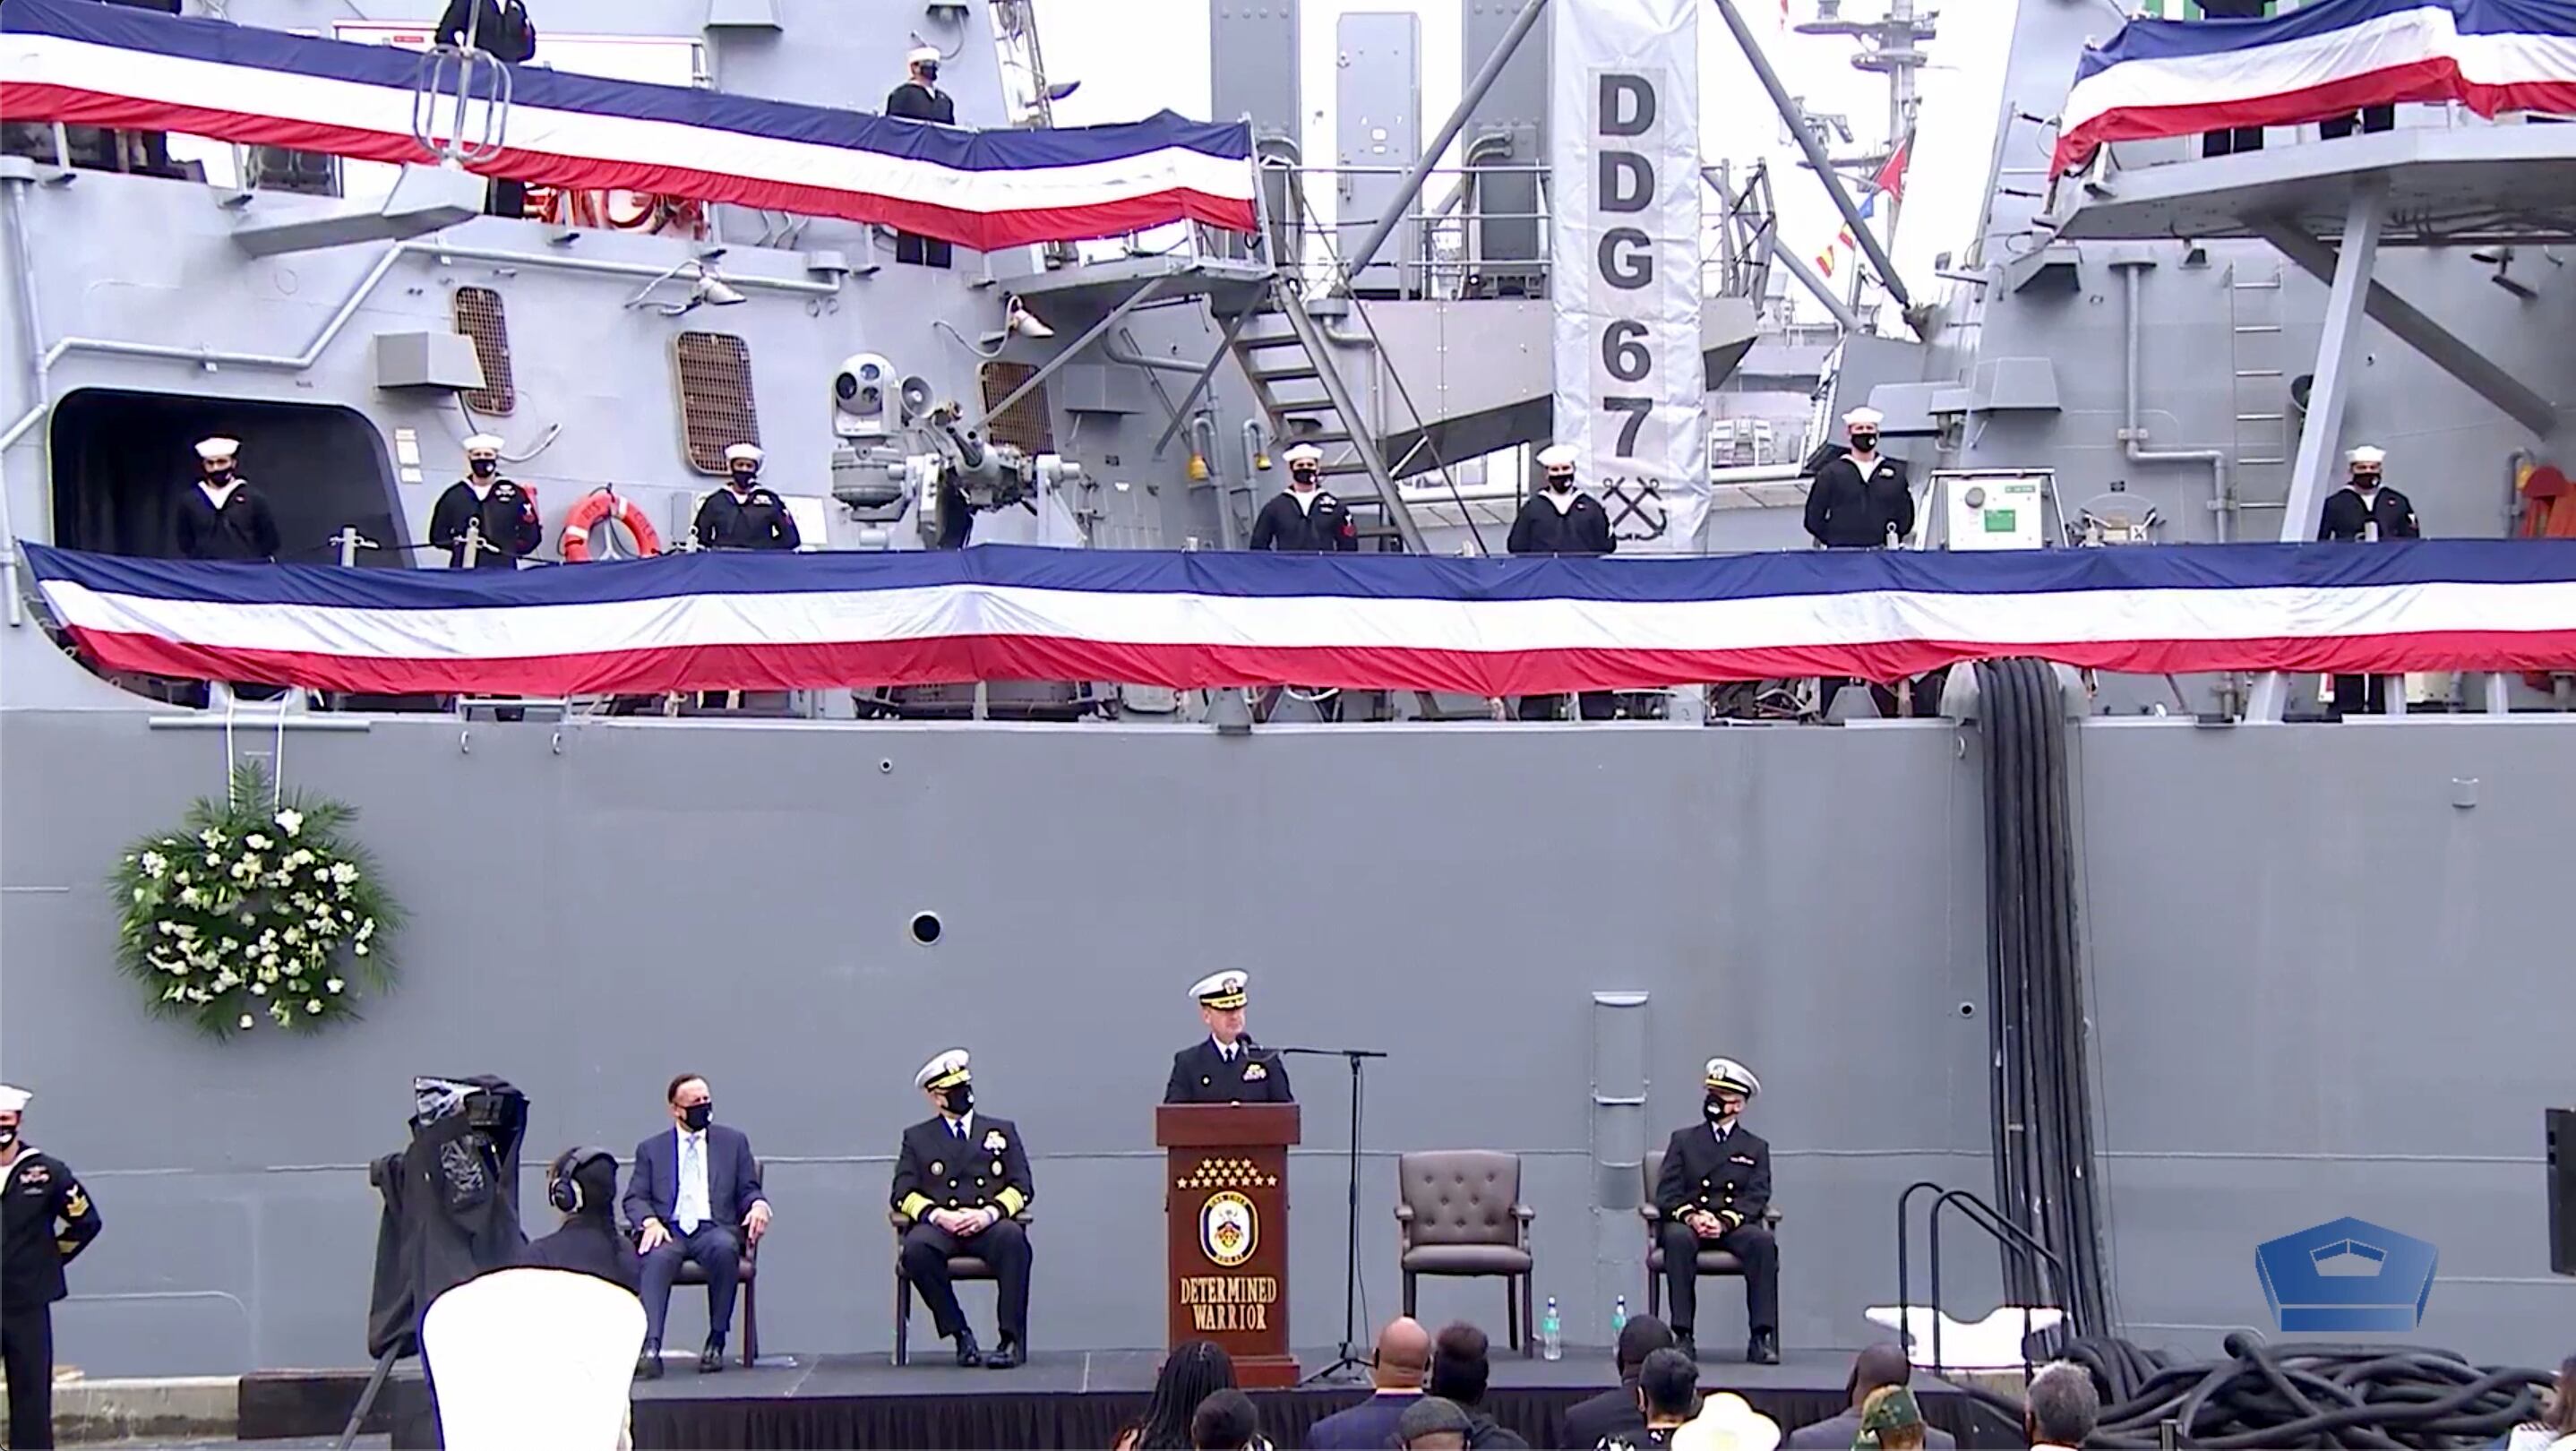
pixel 1226 1066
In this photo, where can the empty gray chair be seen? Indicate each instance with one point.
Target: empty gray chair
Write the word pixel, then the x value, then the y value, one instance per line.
pixel 1461 1214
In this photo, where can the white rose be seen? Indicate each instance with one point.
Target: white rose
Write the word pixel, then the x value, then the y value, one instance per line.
pixel 245 1020
pixel 260 989
pixel 335 984
pixel 256 842
pixel 289 821
pixel 312 1005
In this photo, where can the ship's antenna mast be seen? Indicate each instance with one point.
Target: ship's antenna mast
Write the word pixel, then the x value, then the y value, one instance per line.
pixel 1891 46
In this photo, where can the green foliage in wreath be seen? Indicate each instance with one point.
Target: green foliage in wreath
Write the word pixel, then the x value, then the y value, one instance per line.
pixel 255 909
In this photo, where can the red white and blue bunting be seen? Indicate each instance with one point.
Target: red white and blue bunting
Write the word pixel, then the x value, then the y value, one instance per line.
pixel 720 621
pixel 83 63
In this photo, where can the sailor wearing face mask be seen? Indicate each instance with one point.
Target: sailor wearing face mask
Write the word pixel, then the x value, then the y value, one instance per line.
pixel 1859 501
pixel 1305 518
pixel 499 511
pixel 920 99
pixel 46 1220
pixel 1561 519
pixel 961 1179
pixel 2365 510
pixel 1713 1191
pixel 742 514
pixel 223 517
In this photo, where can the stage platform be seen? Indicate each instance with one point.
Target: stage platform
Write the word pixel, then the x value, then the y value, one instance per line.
pixel 1060 1398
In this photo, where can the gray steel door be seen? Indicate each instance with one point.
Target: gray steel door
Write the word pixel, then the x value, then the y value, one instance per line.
pixel 1377 110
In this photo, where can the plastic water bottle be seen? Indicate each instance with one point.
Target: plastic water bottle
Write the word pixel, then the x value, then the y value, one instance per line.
pixel 1618 1318
pixel 1551 1333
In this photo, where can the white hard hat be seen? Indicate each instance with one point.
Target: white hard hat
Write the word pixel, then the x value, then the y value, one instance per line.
pixel 922 55
pixel 1222 990
pixel 2366 454
pixel 1304 453
pixel 1556 456
pixel 214 448
pixel 483 443
pixel 14 1100
pixel 1732 1076
pixel 1863 418
pixel 743 453
pixel 945 1071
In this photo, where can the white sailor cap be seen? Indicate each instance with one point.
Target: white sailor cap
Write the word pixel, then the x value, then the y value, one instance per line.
pixel 215 448
pixel 743 453
pixel 922 55
pixel 2366 454
pixel 1222 991
pixel 1863 418
pixel 14 1100
pixel 945 1071
pixel 1304 453
pixel 483 443
pixel 1556 456
pixel 1731 1076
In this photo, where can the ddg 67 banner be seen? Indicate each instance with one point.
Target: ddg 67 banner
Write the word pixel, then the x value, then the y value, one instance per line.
pixel 1625 263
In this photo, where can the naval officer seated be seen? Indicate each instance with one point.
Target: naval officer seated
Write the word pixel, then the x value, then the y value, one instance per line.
pixel 961 1178
pixel 1226 1066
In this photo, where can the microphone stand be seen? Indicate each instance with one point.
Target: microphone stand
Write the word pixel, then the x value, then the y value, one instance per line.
pixel 1350 1358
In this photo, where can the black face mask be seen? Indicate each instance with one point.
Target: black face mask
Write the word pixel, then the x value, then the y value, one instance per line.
pixel 929 74
pixel 1304 476
pixel 743 479
pixel 1715 1108
pixel 698 1115
pixel 1864 443
pixel 483 467
pixel 8 1135
pixel 1560 482
pixel 219 477
pixel 958 1100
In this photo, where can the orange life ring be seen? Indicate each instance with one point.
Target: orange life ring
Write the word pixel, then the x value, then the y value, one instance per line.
pixel 602 504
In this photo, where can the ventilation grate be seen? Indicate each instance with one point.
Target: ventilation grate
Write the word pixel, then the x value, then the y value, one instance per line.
pixel 479 316
pixel 1028 426
pixel 715 397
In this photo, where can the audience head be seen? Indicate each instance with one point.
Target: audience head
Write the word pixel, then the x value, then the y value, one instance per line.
pixel 582 1183
pixel 1727 1422
pixel 1639 1338
pixel 1194 1371
pixel 692 1107
pixel 1403 1355
pixel 1890 1416
pixel 1459 1364
pixel 1433 1423
pixel 2062 1405
pixel 2558 1403
pixel 1883 1364
pixel 1667 1387
pixel 1225 1421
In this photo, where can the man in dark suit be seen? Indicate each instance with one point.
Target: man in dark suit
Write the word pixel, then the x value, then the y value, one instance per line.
pixel 1396 1373
pixel 1879 1365
pixel 1715 1185
pixel 693 1184
pixel 582 1185
pixel 1618 1412
pixel 962 1178
pixel 1226 1066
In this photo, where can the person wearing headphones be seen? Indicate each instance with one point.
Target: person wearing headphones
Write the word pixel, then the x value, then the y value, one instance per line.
pixel 582 1184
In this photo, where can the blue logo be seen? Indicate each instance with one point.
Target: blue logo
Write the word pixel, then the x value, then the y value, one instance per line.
pixel 2346 1275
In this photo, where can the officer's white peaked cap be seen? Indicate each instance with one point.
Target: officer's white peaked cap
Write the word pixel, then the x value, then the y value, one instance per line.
pixel 1863 418
pixel 1304 453
pixel 483 443
pixel 945 1071
pixel 215 448
pixel 1222 990
pixel 1732 1076
pixel 743 453
pixel 1556 456
pixel 14 1100
pixel 922 55
pixel 2366 454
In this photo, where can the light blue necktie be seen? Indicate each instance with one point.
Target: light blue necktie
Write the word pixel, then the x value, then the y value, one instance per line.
pixel 688 1166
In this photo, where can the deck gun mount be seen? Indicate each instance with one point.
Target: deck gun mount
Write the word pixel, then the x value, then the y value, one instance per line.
pixel 957 473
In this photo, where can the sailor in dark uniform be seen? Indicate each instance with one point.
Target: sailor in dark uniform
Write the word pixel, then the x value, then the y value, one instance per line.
pixel 223 517
pixel 46 1220
pixel 497 511
pixel 2237 138
pixel 2365 511
pixel 742 514
pixel 1226 1066
pixel 920 99
pixel 1715 1185
pixel 1305 518
pixel 1561 519
pixel 1859 501
pixel 962 1178
pixel 582 1185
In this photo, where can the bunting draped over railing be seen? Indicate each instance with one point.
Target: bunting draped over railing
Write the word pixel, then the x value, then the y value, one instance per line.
pixel 731 621
pixel 84 63
pixel 2325 59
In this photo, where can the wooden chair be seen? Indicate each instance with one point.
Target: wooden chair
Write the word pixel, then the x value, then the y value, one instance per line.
pixel 1712 1260
pixel 1461 1214
pixel 960 1267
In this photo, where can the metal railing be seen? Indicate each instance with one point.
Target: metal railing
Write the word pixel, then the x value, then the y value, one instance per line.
pixel 2009 1239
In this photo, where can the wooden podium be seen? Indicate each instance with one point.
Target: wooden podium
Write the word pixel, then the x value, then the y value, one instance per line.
pixel 1225 1193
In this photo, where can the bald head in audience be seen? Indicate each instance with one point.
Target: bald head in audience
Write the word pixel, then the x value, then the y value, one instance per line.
pixel 1403 1355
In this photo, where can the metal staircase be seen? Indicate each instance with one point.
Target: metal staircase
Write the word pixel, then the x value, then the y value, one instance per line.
pixel 1284 353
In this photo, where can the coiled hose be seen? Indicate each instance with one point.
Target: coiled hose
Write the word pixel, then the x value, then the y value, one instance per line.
pixel 2296 1393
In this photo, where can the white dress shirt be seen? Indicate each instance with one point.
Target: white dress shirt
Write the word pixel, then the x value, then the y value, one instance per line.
pixel 691 1203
